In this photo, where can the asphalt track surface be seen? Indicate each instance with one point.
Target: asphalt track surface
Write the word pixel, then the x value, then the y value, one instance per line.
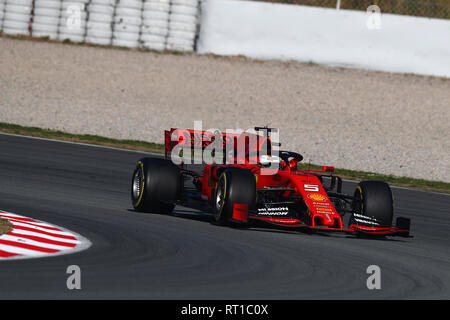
pixel 184 256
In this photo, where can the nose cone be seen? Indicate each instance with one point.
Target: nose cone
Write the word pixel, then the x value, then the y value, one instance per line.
pixel 323 221
pixel 326 220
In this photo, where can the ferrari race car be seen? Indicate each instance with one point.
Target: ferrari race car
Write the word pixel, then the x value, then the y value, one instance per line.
pixel 256 184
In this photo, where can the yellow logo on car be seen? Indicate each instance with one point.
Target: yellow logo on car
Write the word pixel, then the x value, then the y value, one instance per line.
pixel 319 209
pixel 316 196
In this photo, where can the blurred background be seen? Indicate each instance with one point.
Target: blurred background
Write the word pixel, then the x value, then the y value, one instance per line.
pixel 422 8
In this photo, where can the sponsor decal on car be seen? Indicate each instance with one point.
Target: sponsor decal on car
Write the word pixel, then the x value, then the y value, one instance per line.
pixel 316 197
pixel 326 213
pixel 321 204
pixel 324 210
pixel 275 211
pixel 365 220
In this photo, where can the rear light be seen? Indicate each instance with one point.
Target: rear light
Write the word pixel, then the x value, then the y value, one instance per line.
pixel 328 168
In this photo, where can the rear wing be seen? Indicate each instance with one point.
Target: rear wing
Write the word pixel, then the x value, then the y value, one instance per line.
pixel 240 142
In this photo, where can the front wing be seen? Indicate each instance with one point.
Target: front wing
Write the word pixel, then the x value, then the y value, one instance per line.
pixel 401 229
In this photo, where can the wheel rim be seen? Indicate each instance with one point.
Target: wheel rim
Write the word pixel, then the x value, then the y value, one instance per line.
pixel 220 195
pixel 137 184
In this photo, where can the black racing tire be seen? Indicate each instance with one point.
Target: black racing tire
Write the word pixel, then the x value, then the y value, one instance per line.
pixel 374 199
pixel 235 185
pixel 155 185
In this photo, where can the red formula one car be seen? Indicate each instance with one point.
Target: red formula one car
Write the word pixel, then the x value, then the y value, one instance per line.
pixel 246 189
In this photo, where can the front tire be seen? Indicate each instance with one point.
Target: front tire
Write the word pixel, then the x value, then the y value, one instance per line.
pixel 155 185
pixel 373 199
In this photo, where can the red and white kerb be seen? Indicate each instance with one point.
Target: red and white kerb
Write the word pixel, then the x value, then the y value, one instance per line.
pixel 33 239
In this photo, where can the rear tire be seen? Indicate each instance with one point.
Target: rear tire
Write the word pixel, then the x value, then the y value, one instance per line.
pixel 155 185
pixel 373 199
pixel 235 186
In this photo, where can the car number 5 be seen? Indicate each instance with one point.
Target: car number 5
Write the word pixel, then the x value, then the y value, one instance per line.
pixel 311 187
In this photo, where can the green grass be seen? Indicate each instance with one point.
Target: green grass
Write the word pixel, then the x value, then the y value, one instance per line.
pixel 159 148
pixel 82 138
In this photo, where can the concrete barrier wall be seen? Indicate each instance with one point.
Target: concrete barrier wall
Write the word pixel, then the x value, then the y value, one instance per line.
pixel 326 36
pixel 259 30
pixel 152 24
